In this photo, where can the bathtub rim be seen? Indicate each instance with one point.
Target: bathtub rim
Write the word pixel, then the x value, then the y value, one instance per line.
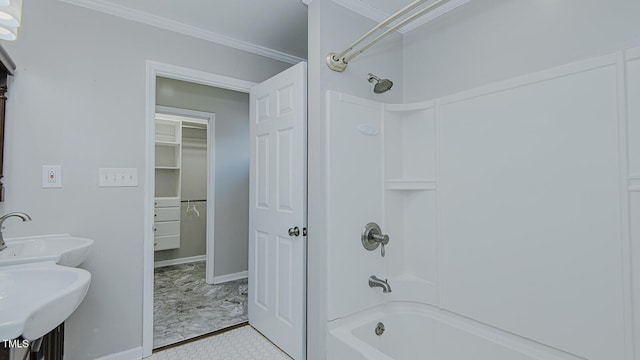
pixel 342 329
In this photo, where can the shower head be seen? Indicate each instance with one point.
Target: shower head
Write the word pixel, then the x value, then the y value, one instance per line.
pixel 381 85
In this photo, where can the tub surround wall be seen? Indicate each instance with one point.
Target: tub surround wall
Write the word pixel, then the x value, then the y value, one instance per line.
pixel 530 210
pixel 485 41
pixel 331 29
pixel 504 206
pixel 632 107
pixel 464 49
pixel 410 159
pixel 78 100
pixel 470 47
pixel 355 199
pixel 632 61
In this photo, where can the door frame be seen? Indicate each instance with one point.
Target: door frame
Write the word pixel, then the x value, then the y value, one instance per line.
pixel 153 70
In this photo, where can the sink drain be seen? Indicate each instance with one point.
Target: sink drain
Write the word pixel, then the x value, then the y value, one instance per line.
pixel 379 329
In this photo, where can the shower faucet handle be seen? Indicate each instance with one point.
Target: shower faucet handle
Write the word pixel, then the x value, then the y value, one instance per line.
pixel 382 239
pixel 372 237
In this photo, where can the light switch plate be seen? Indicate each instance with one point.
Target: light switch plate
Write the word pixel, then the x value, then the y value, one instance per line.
pixel 51 176
pixel 117 177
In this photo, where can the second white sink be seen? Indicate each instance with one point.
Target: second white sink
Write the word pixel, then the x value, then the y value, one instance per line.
pixel 35 298
pixel 64 250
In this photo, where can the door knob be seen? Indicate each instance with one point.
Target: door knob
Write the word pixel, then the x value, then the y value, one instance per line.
pixel 294 231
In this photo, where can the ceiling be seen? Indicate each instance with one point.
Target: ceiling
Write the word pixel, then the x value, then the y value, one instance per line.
pixel 380 10
pixel 273 28
pixel 277 25
pixel 386 6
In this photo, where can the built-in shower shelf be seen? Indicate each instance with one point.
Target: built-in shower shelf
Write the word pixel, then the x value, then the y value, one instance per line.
pixel 411 184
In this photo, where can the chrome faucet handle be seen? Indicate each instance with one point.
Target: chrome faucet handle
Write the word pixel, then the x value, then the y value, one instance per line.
pixel 21 215
pixel 382 239
pixel 372 237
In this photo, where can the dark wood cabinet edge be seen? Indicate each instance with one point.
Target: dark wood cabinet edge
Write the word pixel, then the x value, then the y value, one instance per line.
pixel 6 61
pixel 3 104
pixel 7 67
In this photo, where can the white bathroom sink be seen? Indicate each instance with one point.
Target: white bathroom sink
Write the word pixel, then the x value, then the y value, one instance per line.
pixel 36 298
pixel 64 250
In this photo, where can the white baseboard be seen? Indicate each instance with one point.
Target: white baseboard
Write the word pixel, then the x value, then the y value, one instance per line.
pixel 230 277
pixel 179 261
pixel 131 354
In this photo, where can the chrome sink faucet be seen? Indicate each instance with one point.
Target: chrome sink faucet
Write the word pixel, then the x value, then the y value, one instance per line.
pixel 20 215
pixel 374 281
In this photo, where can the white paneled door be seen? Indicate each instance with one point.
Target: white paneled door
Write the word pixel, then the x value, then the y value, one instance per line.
pixel 277 212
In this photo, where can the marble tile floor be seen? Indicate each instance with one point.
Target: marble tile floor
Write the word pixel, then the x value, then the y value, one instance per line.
pixel 244 343
pixel 185 306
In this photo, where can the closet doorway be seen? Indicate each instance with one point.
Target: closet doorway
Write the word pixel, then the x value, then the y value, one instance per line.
pixel 184 191
pixel 200 254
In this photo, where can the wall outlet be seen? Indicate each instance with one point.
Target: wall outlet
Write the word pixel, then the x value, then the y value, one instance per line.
pixel 51 176
pixel 117 177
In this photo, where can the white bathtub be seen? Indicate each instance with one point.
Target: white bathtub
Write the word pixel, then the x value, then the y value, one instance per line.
pixel 420 332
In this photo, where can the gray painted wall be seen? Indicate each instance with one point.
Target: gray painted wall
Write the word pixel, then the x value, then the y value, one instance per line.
pixel 491 40
pixel 231 143
pixel 78 100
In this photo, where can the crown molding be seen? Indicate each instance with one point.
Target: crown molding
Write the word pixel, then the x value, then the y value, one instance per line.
pixel 377 15
pixel 181 28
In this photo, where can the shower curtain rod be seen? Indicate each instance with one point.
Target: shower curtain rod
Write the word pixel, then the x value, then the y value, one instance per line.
pixel 339 61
